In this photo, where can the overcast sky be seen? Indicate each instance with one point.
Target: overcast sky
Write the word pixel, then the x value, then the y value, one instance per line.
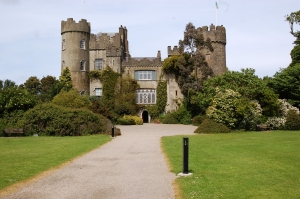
pixel 257 34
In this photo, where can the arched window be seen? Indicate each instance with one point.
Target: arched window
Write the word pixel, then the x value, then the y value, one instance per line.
pixel 82 44
pixel 63 64
pixel 63 44
pixel 82 65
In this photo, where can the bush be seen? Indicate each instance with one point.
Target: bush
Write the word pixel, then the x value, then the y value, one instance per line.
pixel 53 120
pixel 169 119
pixel 182 115
pixel 292 120
pixel 130 120
pixel 72 99
pixel 198 119
pixel 210 126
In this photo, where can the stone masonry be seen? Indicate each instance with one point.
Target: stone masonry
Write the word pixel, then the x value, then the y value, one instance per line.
pixel 83 51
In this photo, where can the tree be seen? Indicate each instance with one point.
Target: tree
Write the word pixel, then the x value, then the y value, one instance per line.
pixel 14 99
pixel 66 79
pixel 294 18
pixel 246 83
pixel 286 83
pixel 232 109
pixel 50 87
pixel 125 96
pixel 33 85
pixel 190 67
pixel 7 84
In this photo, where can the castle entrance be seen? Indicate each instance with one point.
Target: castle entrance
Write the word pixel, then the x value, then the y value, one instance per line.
pixel 145 116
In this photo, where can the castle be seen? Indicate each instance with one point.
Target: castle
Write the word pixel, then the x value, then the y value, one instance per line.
pixel 83 51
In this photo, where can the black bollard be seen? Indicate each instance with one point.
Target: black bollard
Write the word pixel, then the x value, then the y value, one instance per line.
pixel 185 155
pixel 112 131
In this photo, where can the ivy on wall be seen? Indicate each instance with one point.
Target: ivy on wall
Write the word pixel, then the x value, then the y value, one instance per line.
pixel 118 96
pixel 161 100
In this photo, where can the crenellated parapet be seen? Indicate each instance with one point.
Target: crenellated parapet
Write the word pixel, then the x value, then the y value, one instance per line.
pixel 71 26
pixel 142 62
pixel 173 51
pixel 102 40
pixel 216 34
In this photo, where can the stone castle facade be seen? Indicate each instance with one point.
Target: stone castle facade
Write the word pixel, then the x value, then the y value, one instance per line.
pixel 83 51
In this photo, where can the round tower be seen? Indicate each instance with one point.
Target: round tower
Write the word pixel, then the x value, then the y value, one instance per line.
pixel 216 59
pixel 75 52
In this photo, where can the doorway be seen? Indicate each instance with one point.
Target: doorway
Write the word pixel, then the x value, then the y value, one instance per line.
pixel 145 116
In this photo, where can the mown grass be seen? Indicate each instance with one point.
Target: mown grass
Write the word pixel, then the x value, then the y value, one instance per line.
pixel 24 157
pixel 238 165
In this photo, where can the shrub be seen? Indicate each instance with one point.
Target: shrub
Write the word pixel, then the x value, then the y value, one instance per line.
pixel 53 120
pixel 198 120
pixel 292 120
pixel 130 120
pixel 210 126
pixel 169 119
pixel 72 99
pixel 125 121
pixel 182 115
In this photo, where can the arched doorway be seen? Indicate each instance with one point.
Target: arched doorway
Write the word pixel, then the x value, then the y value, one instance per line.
pixel 145 116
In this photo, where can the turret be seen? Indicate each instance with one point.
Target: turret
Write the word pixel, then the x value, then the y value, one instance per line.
pixel 216 59
pixel 75 51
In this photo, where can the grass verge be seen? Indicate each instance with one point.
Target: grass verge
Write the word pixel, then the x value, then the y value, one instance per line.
pixel 23 158
pixel 238 165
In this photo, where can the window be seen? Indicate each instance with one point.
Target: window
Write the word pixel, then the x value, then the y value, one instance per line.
pixel 63 44
pixel 82 65
pixel 63 64
pixel 82 44
pixel 145 75
pixel 98 64
pixel 98 92
pixel 145 96
pixel 207 56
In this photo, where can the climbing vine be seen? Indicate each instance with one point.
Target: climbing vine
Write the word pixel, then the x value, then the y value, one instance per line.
pixel 161 100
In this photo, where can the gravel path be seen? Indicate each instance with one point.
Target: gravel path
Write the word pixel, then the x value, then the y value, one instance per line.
pixel 131 166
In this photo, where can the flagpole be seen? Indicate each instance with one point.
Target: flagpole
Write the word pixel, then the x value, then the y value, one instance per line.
pixel 217 7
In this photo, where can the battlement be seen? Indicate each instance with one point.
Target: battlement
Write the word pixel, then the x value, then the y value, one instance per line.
pixel 71 26
pixel 173 51
pixel 103 40
pixel 216 34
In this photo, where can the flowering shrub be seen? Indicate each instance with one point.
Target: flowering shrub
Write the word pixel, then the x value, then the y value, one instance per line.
pixel 280 122
pixel 233 110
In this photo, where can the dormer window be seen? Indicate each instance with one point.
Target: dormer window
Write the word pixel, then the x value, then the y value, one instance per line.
pixel 82 44
pixel 82 65
pixel 63 44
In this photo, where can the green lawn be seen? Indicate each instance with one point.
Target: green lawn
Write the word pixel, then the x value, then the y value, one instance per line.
pixel 25 157
pixel 238 165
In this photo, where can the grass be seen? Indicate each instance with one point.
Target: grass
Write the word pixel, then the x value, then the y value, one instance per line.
pixel 23 158
pixel 238 165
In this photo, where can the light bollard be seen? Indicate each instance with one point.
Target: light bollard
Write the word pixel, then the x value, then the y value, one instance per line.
pixel 113 131
pixel 185 155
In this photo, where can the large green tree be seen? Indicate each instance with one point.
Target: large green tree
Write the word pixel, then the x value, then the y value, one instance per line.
pixel 190 67
pixel 245 83
pixel 286 83
pixel 50 87
pixel 33 85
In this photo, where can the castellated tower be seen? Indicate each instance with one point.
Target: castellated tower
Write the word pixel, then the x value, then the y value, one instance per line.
pixel 217 59
pixel 75 52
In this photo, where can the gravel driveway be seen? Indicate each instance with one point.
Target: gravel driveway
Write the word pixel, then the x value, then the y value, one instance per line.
pixel 131 166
